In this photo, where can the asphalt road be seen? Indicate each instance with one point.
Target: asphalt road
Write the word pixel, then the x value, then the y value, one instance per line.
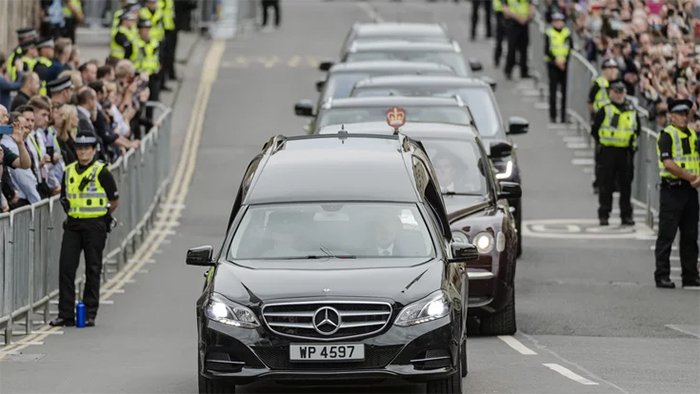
pixel 590 319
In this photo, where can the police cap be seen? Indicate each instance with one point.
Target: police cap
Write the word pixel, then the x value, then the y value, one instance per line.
pixel 558 16
pixel 59 84
pixel 28 44
pixel 45 42
pixel 85 138
pixel 618 86
pixel 145 23
pixel 26 32
pixel 609 63
pixel 128 14
pixel 680 106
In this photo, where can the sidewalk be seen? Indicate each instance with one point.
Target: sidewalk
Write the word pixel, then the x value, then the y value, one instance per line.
pixel 94 44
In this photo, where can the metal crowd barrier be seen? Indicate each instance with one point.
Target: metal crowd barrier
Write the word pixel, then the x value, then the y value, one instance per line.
pixel 30 237
pixel 580 76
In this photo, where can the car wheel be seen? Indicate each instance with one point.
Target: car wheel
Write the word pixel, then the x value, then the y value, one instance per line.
pixel 463 359
pixel 451 385
pixel 501 322
pixel 209 386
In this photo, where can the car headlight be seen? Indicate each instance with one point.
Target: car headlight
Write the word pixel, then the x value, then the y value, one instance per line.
pixel 484 242
pixel 433 307
pixel 504 171
pixel 227 312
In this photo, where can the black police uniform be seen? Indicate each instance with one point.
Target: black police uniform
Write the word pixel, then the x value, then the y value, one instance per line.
pixel 518 41
pixel 274 4
pixel 486 5
pixel 594 99
pixel 616 163
pixel 83 235
pixel 678 210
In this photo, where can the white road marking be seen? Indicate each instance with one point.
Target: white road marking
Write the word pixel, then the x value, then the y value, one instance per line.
pixel 578 145
pixel 558 126
pixel 674 327
pixel 584 153
pixel 570 374
pixel 653 247
pixel 576 138
pixel 542 106
pixel 517 345
pixel 583 162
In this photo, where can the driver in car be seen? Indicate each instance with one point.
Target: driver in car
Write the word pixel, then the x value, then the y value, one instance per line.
pixel 282 230
pixel 386 242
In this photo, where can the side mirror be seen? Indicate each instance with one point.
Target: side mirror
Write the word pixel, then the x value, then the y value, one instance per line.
pixel 325 66
pixel 510 190
pixel 304 108
pixel 463 252
pixel 518 125
pixel 200 256
pixel 500 148
pixel 475 65
pixel 320 85
pixel 490 81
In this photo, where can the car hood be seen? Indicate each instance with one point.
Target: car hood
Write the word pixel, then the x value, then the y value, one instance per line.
pixel 402 283
pixel 455 203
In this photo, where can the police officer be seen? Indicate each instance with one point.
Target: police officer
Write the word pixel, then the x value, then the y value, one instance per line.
pixel 597 96
pixel 43 62
pixel 24 36
pixel 616 127
pixel 518 15
pixel 679 165
pixel 125 42
pixel 169 46
pixel 128 6
pixel 89 197
pixel 557 46
pixel 147 61
pixel 500 31
pixel 73 14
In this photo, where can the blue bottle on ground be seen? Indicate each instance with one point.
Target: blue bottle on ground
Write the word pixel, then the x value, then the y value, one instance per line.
pixel 80 314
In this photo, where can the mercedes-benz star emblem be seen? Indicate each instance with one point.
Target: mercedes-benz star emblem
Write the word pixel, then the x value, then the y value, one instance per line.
pixel 326 320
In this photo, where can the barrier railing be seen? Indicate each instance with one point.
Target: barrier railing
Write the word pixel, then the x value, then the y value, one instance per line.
pixel 581 74
pixel 30 237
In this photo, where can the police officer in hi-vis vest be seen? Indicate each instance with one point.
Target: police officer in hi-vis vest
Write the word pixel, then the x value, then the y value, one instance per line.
pixel 518 14
pixel 25 36
pixel 125 42
pixel 615 129
pixel 679 166
pixel 89 196
pixel 147 61
pixel 557 46
pixel 597 96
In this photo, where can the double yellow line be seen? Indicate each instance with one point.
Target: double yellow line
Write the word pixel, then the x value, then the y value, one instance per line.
pixel 172 208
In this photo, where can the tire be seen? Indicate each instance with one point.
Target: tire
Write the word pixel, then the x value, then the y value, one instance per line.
pixel 463 366
pixel 451 385
pixel 208 386
pixel 501 322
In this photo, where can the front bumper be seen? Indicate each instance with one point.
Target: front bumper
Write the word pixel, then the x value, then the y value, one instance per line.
pixel 414 354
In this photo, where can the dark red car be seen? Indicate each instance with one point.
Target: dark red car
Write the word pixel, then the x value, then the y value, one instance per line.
pixel 478 209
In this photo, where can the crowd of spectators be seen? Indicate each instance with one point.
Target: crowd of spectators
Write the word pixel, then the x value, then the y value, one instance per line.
pixel 106 98
pixel 653 41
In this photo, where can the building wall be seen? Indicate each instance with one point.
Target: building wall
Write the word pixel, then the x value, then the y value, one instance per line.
pixel 15 14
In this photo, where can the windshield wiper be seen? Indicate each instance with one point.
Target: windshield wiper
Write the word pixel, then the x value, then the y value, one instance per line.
pixel 330 254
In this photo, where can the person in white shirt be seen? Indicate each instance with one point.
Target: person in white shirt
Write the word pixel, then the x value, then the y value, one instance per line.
pixel 385 237
pixel 23 178
pixel 46 142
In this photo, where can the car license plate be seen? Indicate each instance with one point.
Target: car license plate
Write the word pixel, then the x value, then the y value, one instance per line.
pixel 336 352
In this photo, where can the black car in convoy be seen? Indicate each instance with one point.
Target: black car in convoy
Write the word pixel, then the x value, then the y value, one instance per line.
pixel 373 109
pixel 422 32
pixel 483 105
pixel 342 77
pixel 338 267
pixel 478 209
pixel 449 53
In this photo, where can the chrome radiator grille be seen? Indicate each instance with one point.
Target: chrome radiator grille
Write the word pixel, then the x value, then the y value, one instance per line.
pixel 327 321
